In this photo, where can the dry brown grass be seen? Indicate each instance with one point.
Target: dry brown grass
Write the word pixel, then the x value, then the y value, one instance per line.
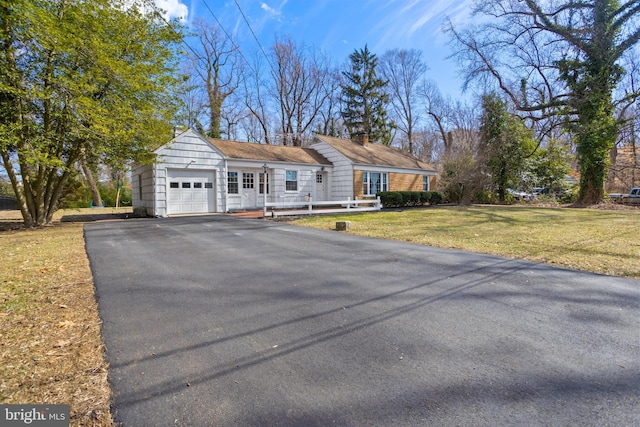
pixel 51 350
pixel 597 240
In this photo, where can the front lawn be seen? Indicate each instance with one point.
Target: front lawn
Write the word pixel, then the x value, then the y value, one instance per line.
pixel 51 350
pixel 596 240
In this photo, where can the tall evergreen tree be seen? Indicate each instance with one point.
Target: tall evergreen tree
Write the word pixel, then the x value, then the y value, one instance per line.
pixel 364 99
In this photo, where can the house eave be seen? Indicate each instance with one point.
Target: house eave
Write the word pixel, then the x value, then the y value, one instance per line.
pixel 271 163
pixel 377 168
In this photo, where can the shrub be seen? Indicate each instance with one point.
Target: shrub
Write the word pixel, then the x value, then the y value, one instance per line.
pixel 436 198
pixel 425 197
pixel 390 199
pixel 109 192
pixel 411 198
pixel 396 199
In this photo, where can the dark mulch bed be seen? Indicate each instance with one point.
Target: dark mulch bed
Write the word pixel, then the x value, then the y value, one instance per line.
pixel 95 217
pixel 12 220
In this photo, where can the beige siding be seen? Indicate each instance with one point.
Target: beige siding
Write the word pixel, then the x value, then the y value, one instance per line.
pixel 397 182
pixel 405 182
pixel 358 184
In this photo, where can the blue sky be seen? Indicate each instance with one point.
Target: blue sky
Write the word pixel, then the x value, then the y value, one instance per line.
pixel 339 26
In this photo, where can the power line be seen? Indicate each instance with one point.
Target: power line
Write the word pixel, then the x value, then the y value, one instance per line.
pixel 227 34
pixel 254 36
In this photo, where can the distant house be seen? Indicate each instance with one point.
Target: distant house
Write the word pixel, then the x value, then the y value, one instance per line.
pixel 193 174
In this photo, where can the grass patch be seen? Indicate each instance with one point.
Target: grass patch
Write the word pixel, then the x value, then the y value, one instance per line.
pixel 596 240
pixel 51 350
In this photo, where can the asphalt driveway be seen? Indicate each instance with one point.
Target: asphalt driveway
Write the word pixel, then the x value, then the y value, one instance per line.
pixel 219 321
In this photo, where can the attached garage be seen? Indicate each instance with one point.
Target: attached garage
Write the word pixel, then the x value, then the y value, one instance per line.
pixel 196 175
pixel 190 191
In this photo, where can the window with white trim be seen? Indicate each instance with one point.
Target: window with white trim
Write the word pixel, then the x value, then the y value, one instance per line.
pixel 232 182
pixel 261 177
pixel 374 182
pixel 291 180
pixel 425 183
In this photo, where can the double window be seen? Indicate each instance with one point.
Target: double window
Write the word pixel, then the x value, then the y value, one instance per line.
pixel 375 182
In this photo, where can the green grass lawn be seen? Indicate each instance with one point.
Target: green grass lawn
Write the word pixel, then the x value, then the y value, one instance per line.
pixel 596 240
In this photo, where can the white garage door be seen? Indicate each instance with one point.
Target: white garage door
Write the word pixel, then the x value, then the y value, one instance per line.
pixel 190 191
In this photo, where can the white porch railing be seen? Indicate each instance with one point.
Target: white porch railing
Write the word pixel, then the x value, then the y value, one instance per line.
pixel 309 207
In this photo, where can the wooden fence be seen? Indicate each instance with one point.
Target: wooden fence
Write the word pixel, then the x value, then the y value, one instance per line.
pixel 309 207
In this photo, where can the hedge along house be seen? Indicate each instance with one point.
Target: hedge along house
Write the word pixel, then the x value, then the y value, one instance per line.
pixel 193 174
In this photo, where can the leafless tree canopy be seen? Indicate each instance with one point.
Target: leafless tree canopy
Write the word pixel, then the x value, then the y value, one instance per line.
pixel 404 70
pixel 220 69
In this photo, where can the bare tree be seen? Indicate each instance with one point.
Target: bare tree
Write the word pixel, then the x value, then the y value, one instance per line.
pixel 192 100
pixel 624 172
pixel 329 121
pixel 300 91
pixel 439 110
pixel 557 58
pixel 219 66
pixel 404 69
pixel 258 125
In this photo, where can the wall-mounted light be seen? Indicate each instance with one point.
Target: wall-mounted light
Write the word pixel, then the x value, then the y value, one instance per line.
pixel 322 168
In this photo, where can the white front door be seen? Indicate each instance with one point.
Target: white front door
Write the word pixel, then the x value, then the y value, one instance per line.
pixel 190 191
pixel 249 190
pixel 321 189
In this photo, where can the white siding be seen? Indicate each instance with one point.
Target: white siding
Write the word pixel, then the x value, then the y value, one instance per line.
pixel 340 180
pixel 142 193
pixel 187 151
pixel 277 185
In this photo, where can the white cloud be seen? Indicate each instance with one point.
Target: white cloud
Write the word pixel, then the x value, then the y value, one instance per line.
pixel 273 13
pixel 420 19
pixel 173 9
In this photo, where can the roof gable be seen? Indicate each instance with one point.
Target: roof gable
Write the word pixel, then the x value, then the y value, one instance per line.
pixel 271 153
pixel 374 154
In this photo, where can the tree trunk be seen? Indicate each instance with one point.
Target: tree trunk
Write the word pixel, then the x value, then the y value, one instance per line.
pixel 596 136
pixel 88 174
pixel 19 191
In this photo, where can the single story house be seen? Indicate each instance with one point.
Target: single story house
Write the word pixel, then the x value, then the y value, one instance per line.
pixel 194 174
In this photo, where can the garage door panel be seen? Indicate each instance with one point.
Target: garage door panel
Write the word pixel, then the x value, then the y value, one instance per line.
pixel 191 191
